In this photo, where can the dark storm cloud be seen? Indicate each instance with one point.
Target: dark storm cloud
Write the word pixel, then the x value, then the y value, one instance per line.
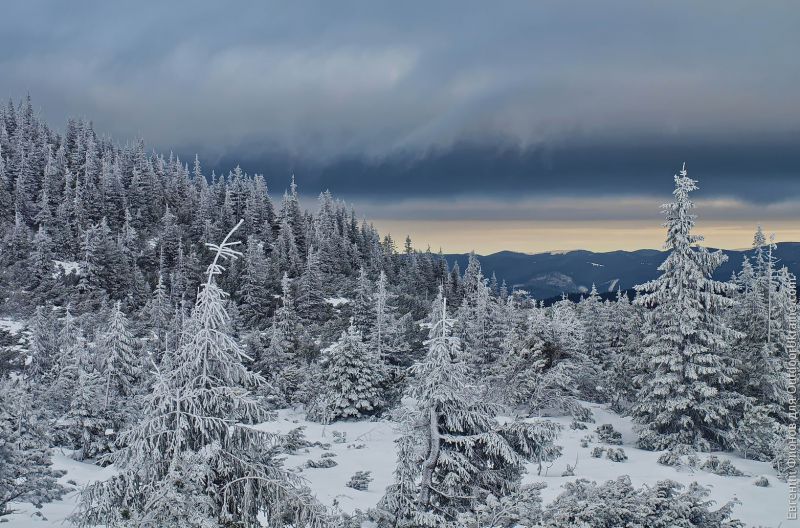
pixel 754 170
pixel 409 99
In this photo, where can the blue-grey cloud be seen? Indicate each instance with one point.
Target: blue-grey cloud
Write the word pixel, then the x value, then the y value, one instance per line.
pixel 402 99
pixel 749 169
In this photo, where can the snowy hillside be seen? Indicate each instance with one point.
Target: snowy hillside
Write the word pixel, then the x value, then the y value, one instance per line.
pixel 369 446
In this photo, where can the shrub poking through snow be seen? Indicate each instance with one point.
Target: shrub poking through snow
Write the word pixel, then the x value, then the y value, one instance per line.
pixel 608 435
pixel 714 464
pixel 324 462
pixel 520 508
pixel 679 456
pixel 295 440
pixel 761 482
pixel 616 455
pixel 576 425
pixel 585 503
pixel 669 458
pixel 360 480
pixel 597 452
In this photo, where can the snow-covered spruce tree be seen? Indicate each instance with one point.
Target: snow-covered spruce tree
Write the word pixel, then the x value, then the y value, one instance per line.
pixel 520 368
pixel 257 288
pixel 310 300
pixel 157 316
pixel 362 305
pixel 120 364
pixel 775 383
pixel 26 474
pixel 764 303
pixel 525 378
pixel 68 356
pixel 383 317
pixel 625 321
pixel 353 378
pixel 96 276
pixel 281 363
pixel 398 506
pixel 477 318
pixel 764 300
pixel 554 370
pixel 685 395
pixel 193 447
pixel 43 348
pixel 594 314
pixel 87 422
pixel 387 340
pixel 467 457
pixel 41 270
pixel 16 243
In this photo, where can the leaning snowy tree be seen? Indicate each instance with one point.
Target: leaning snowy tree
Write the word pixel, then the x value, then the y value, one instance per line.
pixel 193 448
pixel 455 457
pixel 685 396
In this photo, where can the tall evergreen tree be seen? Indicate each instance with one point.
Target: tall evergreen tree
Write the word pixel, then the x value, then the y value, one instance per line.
pixel 685 395
pixel 119 360
pixel 256 291
pixel 310 300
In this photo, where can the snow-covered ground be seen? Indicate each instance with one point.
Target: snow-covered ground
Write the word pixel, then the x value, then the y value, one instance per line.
pixel 78 474
pixel 67 267
pixel 337 301
pixel 369 446
pixel 12 326
pixel 760 506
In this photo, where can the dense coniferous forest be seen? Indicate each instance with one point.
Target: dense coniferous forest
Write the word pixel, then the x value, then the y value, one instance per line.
pixel 168 311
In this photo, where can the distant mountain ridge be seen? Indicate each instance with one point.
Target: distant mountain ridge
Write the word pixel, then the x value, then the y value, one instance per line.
pixel 550 274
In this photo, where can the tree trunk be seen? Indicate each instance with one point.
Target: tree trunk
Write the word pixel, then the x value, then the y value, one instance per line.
pixel 430 462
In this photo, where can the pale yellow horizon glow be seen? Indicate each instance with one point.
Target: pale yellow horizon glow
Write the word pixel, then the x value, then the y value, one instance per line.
pixel 538 236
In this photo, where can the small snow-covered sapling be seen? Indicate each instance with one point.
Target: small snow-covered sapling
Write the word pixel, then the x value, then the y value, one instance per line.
pixel 714 464
pixel 295 440
pixel 608 435
pixel 360 480
pixel 325 461
pixel 576 425
pixel 616 455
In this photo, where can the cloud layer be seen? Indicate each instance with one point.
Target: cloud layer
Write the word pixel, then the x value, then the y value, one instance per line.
pixel 325 80
pixel 383 102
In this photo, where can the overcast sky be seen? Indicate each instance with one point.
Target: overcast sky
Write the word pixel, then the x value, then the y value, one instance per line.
pixel 493 116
